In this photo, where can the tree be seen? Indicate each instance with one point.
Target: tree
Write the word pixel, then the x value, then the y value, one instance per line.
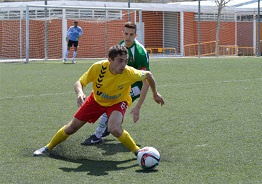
pixel 220 5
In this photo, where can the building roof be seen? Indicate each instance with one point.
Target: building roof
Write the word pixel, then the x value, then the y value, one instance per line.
pixel 206 6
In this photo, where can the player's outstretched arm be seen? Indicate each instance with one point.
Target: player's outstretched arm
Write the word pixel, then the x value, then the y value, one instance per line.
pixel 136 110
pixel 151 81
pixel 80 93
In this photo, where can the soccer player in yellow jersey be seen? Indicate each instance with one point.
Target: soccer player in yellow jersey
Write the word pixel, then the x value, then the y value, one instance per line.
pixel 111 82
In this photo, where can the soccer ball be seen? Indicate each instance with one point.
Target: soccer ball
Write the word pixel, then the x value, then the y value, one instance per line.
pixel 148 158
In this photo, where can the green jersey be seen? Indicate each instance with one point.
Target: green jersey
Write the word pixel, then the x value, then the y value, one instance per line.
pixel 139 59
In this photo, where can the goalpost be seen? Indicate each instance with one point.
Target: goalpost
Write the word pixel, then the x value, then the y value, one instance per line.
pixel 46 28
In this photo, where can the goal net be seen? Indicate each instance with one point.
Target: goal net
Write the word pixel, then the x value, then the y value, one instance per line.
pixel 42 31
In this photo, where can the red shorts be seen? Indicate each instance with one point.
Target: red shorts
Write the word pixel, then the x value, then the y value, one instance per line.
pixel 90 111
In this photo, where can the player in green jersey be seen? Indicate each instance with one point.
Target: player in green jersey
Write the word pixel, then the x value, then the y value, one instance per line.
pixel 137 58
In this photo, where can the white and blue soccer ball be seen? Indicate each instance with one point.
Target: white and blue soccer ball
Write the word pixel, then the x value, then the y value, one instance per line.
pixel 148 158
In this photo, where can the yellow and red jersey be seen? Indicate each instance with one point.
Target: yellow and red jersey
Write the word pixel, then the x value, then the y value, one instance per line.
pixel 110 89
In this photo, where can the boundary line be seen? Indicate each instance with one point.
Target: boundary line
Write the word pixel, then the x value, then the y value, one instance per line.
pixel 160 86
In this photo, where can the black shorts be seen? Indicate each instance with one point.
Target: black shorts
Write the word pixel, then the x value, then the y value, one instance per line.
pixel 70 43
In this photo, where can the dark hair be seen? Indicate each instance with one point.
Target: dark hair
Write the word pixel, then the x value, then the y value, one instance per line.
pixel 131 25
pixel 116 50
pixel 75 22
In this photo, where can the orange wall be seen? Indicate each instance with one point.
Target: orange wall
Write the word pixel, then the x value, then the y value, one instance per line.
pixel 207 31
pixel 190 29
pixel 10 39
pixel 226 32
pixel 153 29
pixel 1 37
pixel 99 36
pixel 245 28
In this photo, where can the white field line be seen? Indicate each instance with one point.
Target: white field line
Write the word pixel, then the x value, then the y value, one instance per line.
pixel 214 82
pixel 159 86
pixel 32 96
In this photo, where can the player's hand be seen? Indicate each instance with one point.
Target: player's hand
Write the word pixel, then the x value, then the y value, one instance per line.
pixel 159 99
pixel 81 99
pixel 135 112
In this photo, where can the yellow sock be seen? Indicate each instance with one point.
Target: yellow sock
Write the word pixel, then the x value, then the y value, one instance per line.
pixel 59 137
pixel 127 140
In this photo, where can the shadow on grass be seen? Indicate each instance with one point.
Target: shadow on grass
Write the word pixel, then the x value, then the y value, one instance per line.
pixel 110 147
pixel 95 167
pixel 147 171
pixel 89 159
pixel 98 167
pixel 68 62
pixel 96 160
